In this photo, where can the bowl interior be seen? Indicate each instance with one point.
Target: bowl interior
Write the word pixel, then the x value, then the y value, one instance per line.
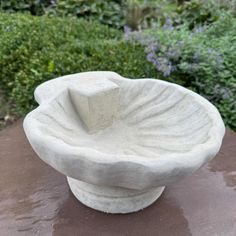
pixel 154 119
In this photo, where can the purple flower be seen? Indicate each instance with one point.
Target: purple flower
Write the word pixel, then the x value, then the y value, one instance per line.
pixel 198 30
pixel 173 54
pixel 168 25
pixel 152 47
pixel 127 32
pixel 145 40
pixel 164 65
pixel 127 29
pixel 151 57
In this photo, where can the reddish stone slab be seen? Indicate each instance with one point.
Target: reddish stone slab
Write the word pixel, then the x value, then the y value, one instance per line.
pixel 36 200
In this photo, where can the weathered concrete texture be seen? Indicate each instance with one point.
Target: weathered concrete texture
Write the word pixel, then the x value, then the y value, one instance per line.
pixel 144 134
pixel 36 200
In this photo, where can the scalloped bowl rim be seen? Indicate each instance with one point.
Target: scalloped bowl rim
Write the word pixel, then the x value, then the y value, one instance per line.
pixel 171 165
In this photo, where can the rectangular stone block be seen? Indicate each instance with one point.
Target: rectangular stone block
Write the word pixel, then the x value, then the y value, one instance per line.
pixel 96 102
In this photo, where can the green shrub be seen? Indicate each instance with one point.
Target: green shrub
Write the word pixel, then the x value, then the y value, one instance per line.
pixel 141 14
pixel 106 12
pixel 136 14
pixel 35 7
pixel 198 12
pixel 36 49
pixel 22 36
pixel 203 60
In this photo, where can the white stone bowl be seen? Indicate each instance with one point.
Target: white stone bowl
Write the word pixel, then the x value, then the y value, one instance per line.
pixel 161 133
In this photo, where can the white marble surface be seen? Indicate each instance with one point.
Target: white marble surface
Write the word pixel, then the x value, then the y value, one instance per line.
pixel 160 133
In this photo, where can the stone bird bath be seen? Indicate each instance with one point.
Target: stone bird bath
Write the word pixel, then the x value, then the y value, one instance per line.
pixel 121 141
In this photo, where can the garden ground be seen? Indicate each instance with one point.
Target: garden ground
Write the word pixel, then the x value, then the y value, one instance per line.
pixel 36 199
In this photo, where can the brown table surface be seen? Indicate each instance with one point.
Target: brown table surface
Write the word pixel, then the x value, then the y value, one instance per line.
pixel 36 200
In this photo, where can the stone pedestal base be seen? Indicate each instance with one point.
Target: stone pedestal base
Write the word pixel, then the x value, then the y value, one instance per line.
pixel 113 199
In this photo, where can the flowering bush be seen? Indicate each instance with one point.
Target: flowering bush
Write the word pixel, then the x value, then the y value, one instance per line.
pixel 35 49
pixel 203 59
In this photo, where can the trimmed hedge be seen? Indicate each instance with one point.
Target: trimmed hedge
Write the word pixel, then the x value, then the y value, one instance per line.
pixel 36 49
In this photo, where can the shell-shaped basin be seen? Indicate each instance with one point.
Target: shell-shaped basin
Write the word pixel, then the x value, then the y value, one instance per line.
pixel 160 133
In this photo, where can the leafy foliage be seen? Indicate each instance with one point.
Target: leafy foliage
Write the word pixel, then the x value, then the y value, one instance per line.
pixel 35 7
pixel 145 14
pixel 106 12
pixel 36 49
pixel 203 60
pixel 137 14
pixel 198 12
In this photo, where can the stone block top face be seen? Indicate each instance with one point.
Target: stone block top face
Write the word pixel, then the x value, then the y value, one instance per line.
pixel 104 129
pixel 90 87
